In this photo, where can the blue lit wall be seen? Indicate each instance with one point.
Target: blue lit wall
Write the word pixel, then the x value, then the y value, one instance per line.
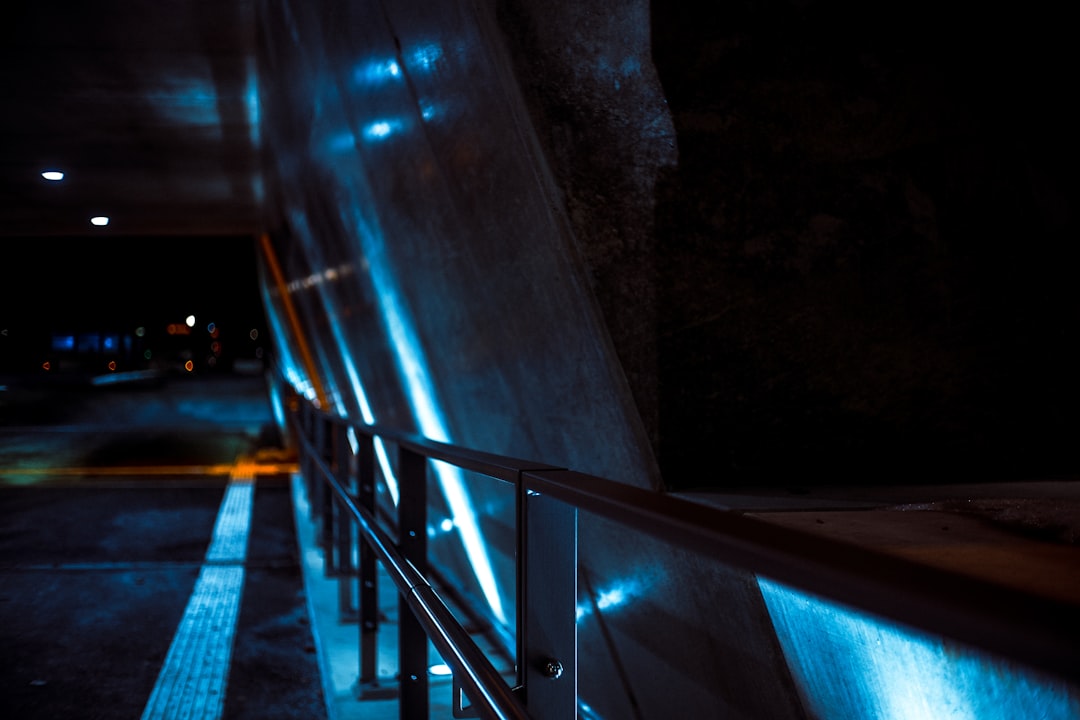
pixel 466 262
pixel 428 265
pixel 849 665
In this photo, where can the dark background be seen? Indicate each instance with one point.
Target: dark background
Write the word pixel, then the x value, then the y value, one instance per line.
pixel 860 266
pixel 116 285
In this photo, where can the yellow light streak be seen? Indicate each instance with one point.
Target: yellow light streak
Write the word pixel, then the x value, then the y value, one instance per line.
pixel 242 468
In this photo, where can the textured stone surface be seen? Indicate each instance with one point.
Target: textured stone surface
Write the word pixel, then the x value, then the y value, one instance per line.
pixel 857 270
pixel 587 74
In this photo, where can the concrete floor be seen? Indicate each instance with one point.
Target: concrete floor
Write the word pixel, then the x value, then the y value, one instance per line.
pixel 112 500
pixel 108 500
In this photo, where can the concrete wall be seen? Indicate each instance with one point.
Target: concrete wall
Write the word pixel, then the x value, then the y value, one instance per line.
pixel 759 243
pixel 409 181
pixel 430 265
pixel 822 240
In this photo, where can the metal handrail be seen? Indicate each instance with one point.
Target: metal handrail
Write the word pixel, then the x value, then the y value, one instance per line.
pixel 1035 631
pixel 499 467
pixel 455 645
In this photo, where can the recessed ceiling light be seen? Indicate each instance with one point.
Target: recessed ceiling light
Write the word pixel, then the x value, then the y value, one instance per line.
pixel 54 175
pixel 100 220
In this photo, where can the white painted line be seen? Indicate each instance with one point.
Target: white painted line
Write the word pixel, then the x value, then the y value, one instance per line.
pixel 229 542
pixel 193 679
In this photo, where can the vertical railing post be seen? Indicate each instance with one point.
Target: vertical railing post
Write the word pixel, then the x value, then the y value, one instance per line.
pixel 326 495
pixel 368 602
pixel 412 539
pixel 307 414
pixel 547 597
pixel 328 529
pixel 315 487
pixel 343 524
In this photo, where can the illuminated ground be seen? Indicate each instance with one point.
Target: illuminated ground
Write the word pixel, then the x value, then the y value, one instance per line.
pixel 108 498
pixel 108 503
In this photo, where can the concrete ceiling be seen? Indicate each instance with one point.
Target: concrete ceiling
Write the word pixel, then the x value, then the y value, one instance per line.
pixel 147 107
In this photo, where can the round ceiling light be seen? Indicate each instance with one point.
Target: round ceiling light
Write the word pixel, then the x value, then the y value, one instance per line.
pixel 100 221
pixel 53 175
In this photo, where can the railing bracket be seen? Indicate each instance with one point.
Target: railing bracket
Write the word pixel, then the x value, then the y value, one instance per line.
pixel 461 710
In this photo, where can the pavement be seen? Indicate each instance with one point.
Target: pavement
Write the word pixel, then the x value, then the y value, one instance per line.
pixel 112 499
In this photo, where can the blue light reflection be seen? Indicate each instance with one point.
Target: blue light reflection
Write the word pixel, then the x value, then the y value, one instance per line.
pixel 377 72
pixel 290 367
pixel 412 368
pixel 320 282
pixel 425 56
pixel 382 129
pixel 609 598
pixel 251 101
pixel 428 110
pixel 851 665
pixel 365 411
pixel 192 101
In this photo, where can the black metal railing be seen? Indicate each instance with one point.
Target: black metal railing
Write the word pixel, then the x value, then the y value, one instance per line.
pixel 1035 631
pixel 342 492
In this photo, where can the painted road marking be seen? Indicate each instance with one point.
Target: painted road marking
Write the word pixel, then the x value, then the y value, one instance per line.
pixel 155 470
pixel 193 679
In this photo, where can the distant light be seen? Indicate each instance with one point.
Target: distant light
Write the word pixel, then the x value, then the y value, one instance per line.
pixel 189 366
pixel 54 175
pixel 441 669
pixel 46 365
pixel 210 328
pixel 190 321
pixel 140 331
pixel 147 354
pixel 100 221
pixel 63 343
pixel 112 365
pixel 254 334
pixel 447 525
